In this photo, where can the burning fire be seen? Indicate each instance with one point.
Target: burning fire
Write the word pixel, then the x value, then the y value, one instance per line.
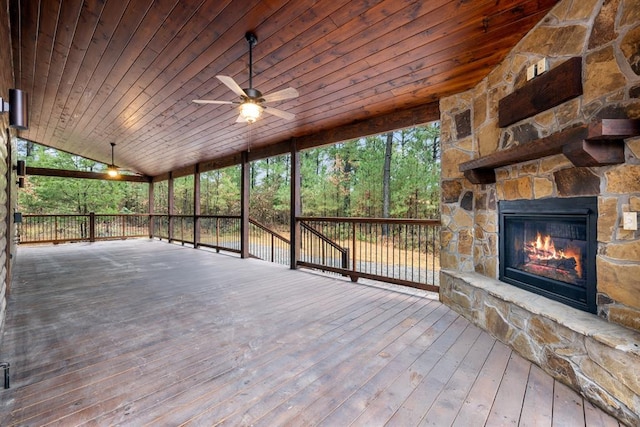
pixel 543 249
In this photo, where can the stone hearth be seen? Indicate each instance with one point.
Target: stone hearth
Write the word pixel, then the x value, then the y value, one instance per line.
pixel 596 357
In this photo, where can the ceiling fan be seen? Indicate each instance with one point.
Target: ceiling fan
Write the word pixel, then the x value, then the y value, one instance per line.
pixel 252 100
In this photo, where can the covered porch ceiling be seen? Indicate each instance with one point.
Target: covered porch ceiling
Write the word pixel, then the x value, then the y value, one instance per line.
pixel 98 72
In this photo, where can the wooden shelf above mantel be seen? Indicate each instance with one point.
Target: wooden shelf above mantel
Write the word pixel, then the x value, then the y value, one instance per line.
pixel 596 144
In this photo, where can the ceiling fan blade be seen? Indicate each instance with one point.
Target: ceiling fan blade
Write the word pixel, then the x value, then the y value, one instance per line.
pixel 287 93
pixel 282 114
pixel 231 84
pixel 210 101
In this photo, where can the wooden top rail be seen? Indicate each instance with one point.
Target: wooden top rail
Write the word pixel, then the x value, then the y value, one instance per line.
pixel 324 238
pixel 596 144
pixel 433 222
pixel 268 230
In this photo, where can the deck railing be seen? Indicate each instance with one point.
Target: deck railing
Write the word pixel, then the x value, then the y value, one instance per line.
pixel 267 244
pixel 401 251
pixel 74 228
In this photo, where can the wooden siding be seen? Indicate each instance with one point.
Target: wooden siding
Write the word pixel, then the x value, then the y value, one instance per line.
pixel 148 333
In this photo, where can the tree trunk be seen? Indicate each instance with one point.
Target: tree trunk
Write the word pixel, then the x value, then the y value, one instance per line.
pixel 386 179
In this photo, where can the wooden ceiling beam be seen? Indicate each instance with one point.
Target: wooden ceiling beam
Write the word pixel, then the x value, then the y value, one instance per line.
pixel 62 173
pixel 419 115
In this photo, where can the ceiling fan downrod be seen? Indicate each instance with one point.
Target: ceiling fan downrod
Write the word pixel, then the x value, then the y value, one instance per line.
pixel 252 39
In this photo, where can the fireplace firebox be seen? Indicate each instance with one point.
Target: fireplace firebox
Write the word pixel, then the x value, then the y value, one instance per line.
pixel 549 247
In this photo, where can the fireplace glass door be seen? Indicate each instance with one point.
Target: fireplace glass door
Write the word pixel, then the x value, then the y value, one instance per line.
pixel 548 247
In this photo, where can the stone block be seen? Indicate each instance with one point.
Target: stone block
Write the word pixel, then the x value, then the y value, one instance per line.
pixel 463 124
pixel 497 325
pixel 603 31
pixel 633 147
pixel 451 159
pixel 629 251
pixel 621 364
pixel 602 74
pixel 514 189
pixel 445 238
pixel 630 48
pixel 553 163
pixel 491 268
pixel 460 299
pixel 630 12
pixel 466 202
pixel 556 41
pixel 448 260
pixel 579 11
pixel 462 219
pixel 546 120
pixel 560 368
pixel 451 191
pixel 524 133
pixel 465 242
pixel 488 137
pixel 623 179
pixel 568 112
pixel 625 316
pixel 542 187
pixel 479 110
pixel 529 168
pixel 619 281
pixel 481 201
pixel 607 218
pixel 522 344
pixel 543 331
pixel 606 381
pixel 577 182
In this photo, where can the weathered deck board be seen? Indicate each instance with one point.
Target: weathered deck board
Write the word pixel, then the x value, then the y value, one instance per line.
pixel 147 333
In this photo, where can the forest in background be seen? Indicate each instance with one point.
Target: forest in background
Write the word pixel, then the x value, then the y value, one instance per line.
pixel 393 175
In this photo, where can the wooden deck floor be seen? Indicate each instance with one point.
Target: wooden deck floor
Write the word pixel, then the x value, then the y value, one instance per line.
pixel 148 333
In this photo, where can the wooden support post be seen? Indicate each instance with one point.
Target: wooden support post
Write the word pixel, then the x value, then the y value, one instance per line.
pixel 151 210
pixel 92 226
pixel 170 206
pixel 196 207
pixel 296 207
pixel 244 205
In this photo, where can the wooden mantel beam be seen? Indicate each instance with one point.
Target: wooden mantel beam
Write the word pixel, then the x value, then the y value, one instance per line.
pixel 596 144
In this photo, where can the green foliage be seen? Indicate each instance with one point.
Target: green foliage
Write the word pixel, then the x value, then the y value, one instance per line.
pixel 344 179
pixel 220 192
pixel 44 195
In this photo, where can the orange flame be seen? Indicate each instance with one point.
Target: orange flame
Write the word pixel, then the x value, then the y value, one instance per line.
pixel 545 249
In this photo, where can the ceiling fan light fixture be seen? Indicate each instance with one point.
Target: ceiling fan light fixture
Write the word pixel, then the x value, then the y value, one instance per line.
pixel 250 111
pixel 112 170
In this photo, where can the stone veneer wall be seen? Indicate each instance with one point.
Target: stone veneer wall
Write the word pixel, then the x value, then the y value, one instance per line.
pixel 606 35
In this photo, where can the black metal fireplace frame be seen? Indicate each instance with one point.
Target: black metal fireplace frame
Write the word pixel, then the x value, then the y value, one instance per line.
pixel 556 209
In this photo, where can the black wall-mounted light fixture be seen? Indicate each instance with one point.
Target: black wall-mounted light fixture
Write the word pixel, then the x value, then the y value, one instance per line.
pixel 17 109
pixel 21 168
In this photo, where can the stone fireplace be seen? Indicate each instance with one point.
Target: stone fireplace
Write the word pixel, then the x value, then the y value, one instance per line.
pixel 552 160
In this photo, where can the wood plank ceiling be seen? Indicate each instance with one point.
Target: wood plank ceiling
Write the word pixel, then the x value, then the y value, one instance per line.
pixel 126 71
